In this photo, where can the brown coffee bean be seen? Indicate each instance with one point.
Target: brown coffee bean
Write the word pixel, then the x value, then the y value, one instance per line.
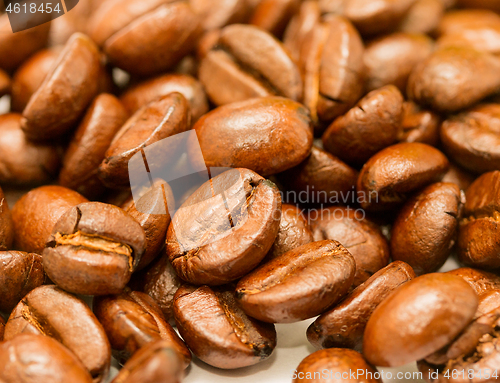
pixel 299 284
pixel 332 67
pixel 132 320
pixel 458 176
pixel 25 162
pixel 423 17
pixel 419 125
pixel 481 281
pixel 232 71
pixel 322 177
pixel 418 319
pixel 30 76
pixel 390 59
pixel 66 91
pixel 161 118
pixel 333 363
pixel 371 125
pixel 6 224
pixel 462 19
pixel 36 213
pixel 50 311
pixel 155 362
pixel 469 77
pixel 267 135
pixel 5 84
pixel 34 358
pixel 425 230
pixel 20 273
pixel 362 238
pixel 392 174
pixel 216 14
pixel 274 15
pixel 480 220
pixel 217 245
pixel 486 4
pixel 203 314
pixel 93 249
pixel 344 324
pixel 105 116
pixel 144 92
pixel 146 39
pixel 472 138
pixel 17 47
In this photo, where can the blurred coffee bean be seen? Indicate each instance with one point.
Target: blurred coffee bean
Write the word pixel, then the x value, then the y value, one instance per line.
pixel 6 224
pixel 423 17
pixel 216 14
pixel 274 15
pixel 419 125
pixel 5 83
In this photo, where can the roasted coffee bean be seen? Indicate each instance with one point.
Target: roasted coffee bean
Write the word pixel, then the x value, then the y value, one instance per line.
pixel 481 281
pixel 214 240
pixel 419 125
pixel 321 176
pixel 462 19
pixel 274 15
pixel 6 224
pixel 132 320
pixel 418 319
pixel 486 4
pixel 65 92
pixel 20 273
pixel 267 135
pixel 335 362
pixel 217 330
pixel 161 118
pixel 86 151
pixel 458 176
pixel 344 324
pixel 144 92
pixel 36 213
pixel 299 284
pixel 146 39
pixel 93 250
pixel 34 358
pixel 24 162
pixel 155 362
pixel 362 238
pixel 469 77
pixel 390 59
pixel 5 83
pixel 425 230
pixel 50 311
pixel 218 14
pixel 423 17
pixel 472 138
pixel 332 67
pixel 232 71
pixel 478 238
pixel 388 178
pixel 373 124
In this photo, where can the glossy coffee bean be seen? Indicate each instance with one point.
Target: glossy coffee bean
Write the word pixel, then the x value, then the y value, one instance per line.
pixel 5 83
pixel 370 126
pixel 419 125
pixel 6 224
pixel 24 162
pixel 480 220
pixel 232 71
pixel 36 213
pixel 206 246
pixel 423 16
pixel 458 176
pixel 155 362
pixel 425 230
pixel 34 358
pixel 471 138
pixel 331 61
pixel 274 15
pixel 322 177
pixel 299 284
pixel 462 19
pixel 344 324
pixel 159 119
pixel 362 238
pixel 267 135
pixel 104 117
pixel 20 273
pixel 418 319
pixel 132 320
pixel 144 92
pixel 216 329
pixel 65 92
pixel 50 311
pixel 328 365
pixel 481 281
pixel 216 14
pixel 470 77
pixel 388 178
pixel 93 249
pixel 390 59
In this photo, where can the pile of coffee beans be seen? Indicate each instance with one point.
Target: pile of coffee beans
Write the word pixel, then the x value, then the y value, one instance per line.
pixel 177 177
